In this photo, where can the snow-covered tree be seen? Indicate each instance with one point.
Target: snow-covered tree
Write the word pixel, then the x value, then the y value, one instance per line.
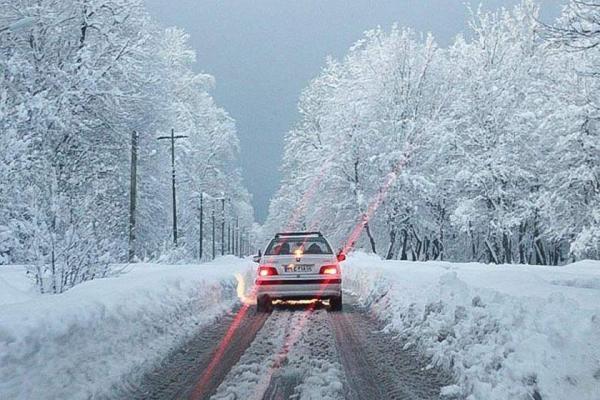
pixel 75 84
pixel 574 207
pixel 486 150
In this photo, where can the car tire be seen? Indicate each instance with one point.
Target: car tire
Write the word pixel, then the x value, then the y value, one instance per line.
pixel 335 303
pixel 263 304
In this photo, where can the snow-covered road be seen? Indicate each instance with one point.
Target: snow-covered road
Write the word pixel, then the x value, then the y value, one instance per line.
pixel 300 352
pixel 409 330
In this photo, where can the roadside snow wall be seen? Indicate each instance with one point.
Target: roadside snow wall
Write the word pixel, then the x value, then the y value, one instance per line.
pixel 82 343
pixel 506 332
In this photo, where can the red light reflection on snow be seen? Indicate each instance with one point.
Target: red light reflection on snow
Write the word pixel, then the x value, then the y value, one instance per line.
pixel 373 206
pixel 292 338
pixel 203 382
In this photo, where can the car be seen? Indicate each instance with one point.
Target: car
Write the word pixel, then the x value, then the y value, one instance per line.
pixel 299 266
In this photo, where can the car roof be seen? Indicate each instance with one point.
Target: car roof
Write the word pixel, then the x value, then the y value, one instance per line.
pixel 297 234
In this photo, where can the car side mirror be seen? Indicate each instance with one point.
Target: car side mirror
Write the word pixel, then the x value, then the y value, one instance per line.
pixel 341 256
pixel 257 257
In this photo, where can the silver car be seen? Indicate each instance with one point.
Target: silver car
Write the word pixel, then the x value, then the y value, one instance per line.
pixel 299 266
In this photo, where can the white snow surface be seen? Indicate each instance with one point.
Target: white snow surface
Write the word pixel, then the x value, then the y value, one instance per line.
pixel 506 331
pixel 86 341
pixel 15 286
pixel 297 345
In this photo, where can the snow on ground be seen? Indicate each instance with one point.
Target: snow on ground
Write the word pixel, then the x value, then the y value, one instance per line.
pixel 78 344
pixel 15 286
pixel 507 332
pixel 294 349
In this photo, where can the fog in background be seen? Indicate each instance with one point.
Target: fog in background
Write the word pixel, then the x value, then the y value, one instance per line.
pixel 264 52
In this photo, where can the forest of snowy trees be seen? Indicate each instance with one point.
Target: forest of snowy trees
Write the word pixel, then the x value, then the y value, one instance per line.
pixel 486 150
pixel 77 79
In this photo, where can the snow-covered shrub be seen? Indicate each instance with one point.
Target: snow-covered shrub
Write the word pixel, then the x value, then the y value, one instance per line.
pixel 7 243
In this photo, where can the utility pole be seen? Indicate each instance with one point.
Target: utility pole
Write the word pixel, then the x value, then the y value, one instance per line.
pixel 213 232
pixel 236 237
pixel 200 249
pixel 243 242
pixel 229 237
pixel 172 138
pixel 223 225
pixel 133 195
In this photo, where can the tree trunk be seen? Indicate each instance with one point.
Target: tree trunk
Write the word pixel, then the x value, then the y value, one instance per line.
pixel 403 255
pixel 540 252
pixel 438 250
pixel 440 242
pixel 507 248
pixel 426 248
pixel 417 250
pixel 539 247
pixel 473 248
pixel 522 231
pixel 371 240
pixel 132 196
pixel 390 252
pixel 493 257
pixel 556 253
pixel 435 250
pixel 418 246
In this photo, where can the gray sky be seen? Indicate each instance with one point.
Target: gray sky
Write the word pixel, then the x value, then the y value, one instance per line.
pixel 264 52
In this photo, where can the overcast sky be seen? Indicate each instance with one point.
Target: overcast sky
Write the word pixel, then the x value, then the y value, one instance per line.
pixel 264 52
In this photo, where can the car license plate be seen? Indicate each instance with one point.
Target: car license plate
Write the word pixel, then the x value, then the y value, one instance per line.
pixel 298 268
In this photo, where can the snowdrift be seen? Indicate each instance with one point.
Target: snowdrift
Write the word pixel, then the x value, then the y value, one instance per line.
pixel 107 332
pixel 506 332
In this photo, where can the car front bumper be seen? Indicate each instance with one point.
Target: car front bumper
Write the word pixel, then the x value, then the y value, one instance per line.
pixel 299 288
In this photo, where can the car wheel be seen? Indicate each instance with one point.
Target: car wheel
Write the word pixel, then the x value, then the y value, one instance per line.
pixel 335 303
pixel 263 304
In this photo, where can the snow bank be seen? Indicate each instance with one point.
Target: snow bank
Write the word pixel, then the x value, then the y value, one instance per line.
pixel 80 343
pixel 507 332
pixel 15 286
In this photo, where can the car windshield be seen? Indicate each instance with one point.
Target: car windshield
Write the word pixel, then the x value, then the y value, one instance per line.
pixel 306 245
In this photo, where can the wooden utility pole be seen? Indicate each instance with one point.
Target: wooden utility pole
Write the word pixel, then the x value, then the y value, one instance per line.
pixel 243 242
pixel 200 245
pixel 228 237
pixel 236 237
pixel 172 138
pixel 213 232
pixel 223 226
pixel 133 195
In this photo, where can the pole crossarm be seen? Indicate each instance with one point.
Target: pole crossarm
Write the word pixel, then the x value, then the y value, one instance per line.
pixel 174 137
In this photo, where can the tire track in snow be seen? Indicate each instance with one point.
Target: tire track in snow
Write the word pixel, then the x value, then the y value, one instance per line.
pixel 376 364
pixel 177 376
pixel 294 355
pixel 313 369
pixel 298 353
pixel 246 380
